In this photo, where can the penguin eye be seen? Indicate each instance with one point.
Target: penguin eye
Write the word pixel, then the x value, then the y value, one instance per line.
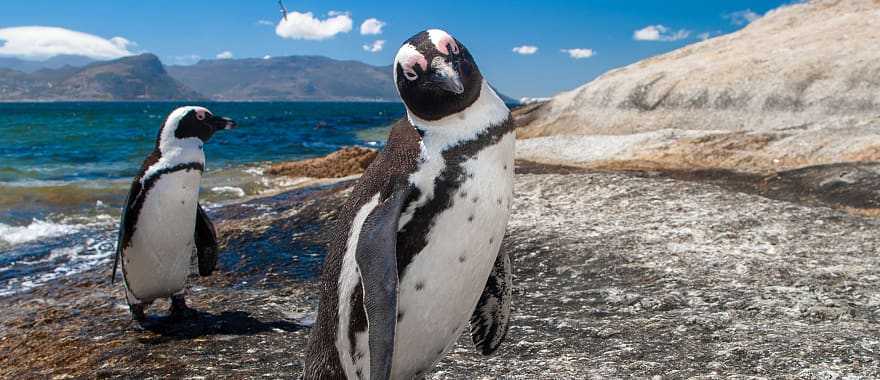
pixel 411 75
pixel 200 116
pixel 452 48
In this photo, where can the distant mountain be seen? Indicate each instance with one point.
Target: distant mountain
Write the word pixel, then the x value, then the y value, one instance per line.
pixel 56 62
pixel 287 78
pixel 141 77
pixel 290 78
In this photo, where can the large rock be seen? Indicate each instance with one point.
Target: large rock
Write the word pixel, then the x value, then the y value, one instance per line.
pixel 797 87
pixel 341 163
pixel 615 276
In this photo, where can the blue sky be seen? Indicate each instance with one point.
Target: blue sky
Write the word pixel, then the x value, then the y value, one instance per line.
pixel 180 31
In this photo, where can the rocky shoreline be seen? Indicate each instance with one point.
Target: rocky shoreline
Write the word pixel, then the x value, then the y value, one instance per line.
pixel 618 274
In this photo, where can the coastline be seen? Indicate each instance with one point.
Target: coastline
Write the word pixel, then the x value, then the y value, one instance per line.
pixel 708 209
pixel 617 274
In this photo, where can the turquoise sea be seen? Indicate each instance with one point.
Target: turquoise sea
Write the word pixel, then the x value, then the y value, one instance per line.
pixel 65 169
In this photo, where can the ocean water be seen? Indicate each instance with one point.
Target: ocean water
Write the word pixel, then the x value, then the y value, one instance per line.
pixel 65 169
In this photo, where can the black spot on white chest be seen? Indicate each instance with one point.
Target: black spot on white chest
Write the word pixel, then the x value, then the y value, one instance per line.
pixel 464 198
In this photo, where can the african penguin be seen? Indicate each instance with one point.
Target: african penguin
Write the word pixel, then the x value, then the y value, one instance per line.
pixel 162 221
pixel 415 255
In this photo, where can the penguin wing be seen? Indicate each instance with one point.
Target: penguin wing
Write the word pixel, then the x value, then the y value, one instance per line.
pixel 124 227
pixel 376 258
pixel 492 315
pixel 206 242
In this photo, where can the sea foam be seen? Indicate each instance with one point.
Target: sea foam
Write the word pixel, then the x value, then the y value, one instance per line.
pixel 63 262
pixel 237 191
pixel 38 229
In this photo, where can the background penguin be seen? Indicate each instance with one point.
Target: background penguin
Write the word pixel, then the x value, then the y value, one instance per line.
pixel 162 221
pixel 416 252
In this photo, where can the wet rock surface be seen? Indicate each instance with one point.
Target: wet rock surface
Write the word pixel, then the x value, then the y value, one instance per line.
pixel 250 310
pixel 616 275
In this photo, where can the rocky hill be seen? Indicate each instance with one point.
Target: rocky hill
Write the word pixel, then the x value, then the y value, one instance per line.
pixel 797 87
pixel 141 77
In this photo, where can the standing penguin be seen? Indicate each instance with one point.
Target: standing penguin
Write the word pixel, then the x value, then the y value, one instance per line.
pixel 416 252
pixel 162 221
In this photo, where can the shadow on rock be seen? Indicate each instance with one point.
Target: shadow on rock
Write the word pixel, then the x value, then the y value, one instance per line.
pixel 225 323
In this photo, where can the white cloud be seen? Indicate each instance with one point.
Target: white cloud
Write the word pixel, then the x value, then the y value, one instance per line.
pixel 337 13
pixel 579 53
pixel 648 33
pixel 123 43
pixel 265 23
pixel 225 55
pixel 525 49
pixel 375 47
pixel 530 100
pixel 186 59
pixel 707 35
pixel 742 17
pixel 659 33
pixel 44 42
pixel 267 56
pixel 372 26
pixel 306 27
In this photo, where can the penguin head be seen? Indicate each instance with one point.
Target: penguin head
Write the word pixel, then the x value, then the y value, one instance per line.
pixel 436 75
pixel 192 124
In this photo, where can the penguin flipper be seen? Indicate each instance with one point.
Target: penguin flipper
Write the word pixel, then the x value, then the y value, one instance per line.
pixel 491 317
pixel 206 242
pixel 122 239
pixel 376 258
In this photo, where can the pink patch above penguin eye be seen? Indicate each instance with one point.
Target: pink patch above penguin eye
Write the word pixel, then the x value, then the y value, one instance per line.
pixel 408 57
pixel 444 42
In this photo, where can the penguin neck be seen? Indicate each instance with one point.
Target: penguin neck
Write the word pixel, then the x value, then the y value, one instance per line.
pixel 438 135
pixel 185 154
pixel 177 153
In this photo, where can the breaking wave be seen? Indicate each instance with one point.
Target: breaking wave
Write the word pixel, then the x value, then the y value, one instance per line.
pixel 38 229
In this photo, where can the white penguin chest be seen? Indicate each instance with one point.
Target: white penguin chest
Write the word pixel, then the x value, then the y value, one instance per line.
pixel 158 260
pixel 441 286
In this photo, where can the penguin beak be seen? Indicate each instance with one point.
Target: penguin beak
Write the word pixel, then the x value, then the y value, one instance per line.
pixel 445 77
pixel 220 123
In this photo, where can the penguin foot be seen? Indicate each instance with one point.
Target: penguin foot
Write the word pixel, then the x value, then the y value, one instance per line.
pixel 140 326
pixel 137 312
pixel 179 310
